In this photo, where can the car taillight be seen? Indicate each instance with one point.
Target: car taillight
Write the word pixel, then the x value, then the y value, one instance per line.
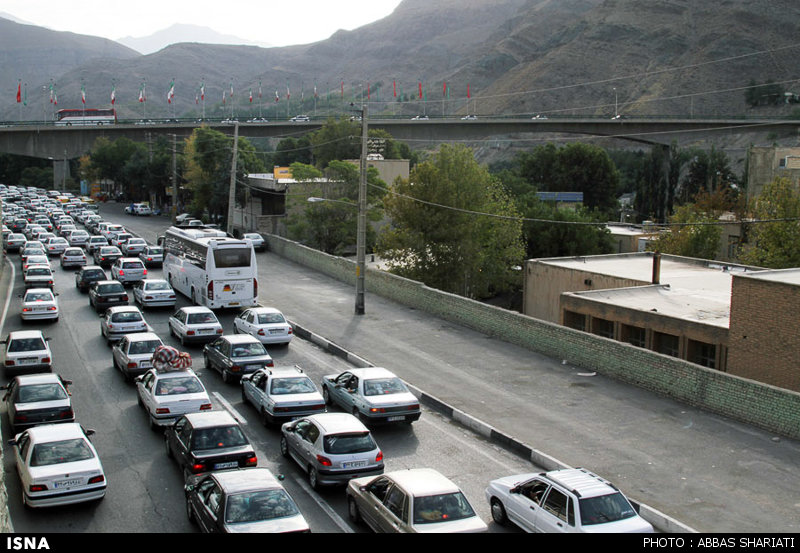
pixel 19 417
pixel 9 363
pixel 190 332
pixel 210 290
pixel 125 297
pixel 377 410
pixel 205 407
pixel 269 363
pixel 255 288
pixel 97 479
pixel 145 272
pixel 261 332
pixel 132 365
pixel 68 414
pixel 219 331
pixel 289 331
pixel 37 488
pixel 197 467
pixel 162 411
pixel 251 461
pixel 324 461
pixel 236 368
pixel 45 360
pixel 379 456
pixel 121 272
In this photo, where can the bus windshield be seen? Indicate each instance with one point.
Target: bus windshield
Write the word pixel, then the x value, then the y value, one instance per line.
pixel 227 258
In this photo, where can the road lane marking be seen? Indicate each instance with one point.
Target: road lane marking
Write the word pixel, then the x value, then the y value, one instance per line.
pixel 230 408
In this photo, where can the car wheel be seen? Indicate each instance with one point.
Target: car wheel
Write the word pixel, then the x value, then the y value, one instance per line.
pixel 498 512
pixel 313 478
pixel 352 510
pixel 284 446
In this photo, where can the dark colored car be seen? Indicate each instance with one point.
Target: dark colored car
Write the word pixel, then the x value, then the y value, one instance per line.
pixel 107 293
pixel 236 355
pixel 105 256
pixel 37 399
pixel 242 501
pixel 87 275
pixel 213 440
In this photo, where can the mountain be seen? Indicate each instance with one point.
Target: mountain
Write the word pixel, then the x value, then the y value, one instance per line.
pixel 573 57
pixel 182 33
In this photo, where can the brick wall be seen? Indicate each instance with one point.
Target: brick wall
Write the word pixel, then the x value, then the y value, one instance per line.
pixel 768 407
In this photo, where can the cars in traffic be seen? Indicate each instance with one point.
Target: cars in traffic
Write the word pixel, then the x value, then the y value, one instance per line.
pixel 58 465
pixel 73 257
pixel 300 118
pixel 35 260
pixel 373 394
pixel 152 256
pixel 258 241
pixel 27 350
pixel 87 275
pixel 412 501
pixel 14 241
pixel 37 399
pixel 107 293
pixel 105 256
pixel 211 440
pixel 266 324
pixel 132 355
pixel 120 320
pixel 166 395
pixel 194 324
pixel 39 304
pixel 95 241
pixel 133 247
pixel 155 292
pixel 38 276
pixel 56 246
pixel 236 355
pixel 128 270
pixel 242 501
pixel 281 394
pixel 331 448
pixel 563 501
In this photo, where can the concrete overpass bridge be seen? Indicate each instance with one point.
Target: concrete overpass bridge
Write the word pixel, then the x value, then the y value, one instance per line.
pixel 59 143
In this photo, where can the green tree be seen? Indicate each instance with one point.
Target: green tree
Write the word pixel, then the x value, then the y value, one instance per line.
pixel 774 244
pixel 454 227
pixel 694 233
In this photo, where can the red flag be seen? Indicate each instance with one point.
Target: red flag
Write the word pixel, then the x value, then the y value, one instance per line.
pixel 342 89
pixel 394 88
pixel 444 89
pixel 367 91
pixel 420 90
pixel 468 96
pixel 19 93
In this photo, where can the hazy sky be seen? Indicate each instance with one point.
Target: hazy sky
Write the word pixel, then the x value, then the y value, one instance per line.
pixel 276 22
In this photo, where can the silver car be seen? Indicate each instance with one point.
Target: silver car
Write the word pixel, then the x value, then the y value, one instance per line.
pixel 281 394
pixel 154 292
pixel 374 394
pixel 166 395
pixel 332 448
pixel 128 269
pixel 133 354
pixel 118 321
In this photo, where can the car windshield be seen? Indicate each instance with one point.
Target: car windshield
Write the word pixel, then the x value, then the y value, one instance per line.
pixel 259 505
pixel 126 317
pixel 64 451
pixel 248 350
pixel 355 442
pixel 155 251
pixel 38 296
pixel 605 508
pixel 96 274
pixel 132 265
pixel 143 346
pixel 441 508
pixel 179 385
pixel 26 344
pixel 218 437
pixel 201 318
pixel 40 392
pixel 292 385
pixel 382 386
pixel 267 318
pixel 156 286
pixel 35 271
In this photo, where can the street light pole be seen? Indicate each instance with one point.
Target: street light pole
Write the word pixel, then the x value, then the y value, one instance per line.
pixel 361 236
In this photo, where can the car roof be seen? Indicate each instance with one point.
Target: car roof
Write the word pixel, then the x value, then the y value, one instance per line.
pixel 285 371
pixel 582 482
pixel 423 481
pixel 336 423
pixel 121 308
pixel 372 372
pixel 58 431
pixel 240 338
pixel 261 309
pixel 39 291
pixel 142 336
pixel 38 378
pixel 195 309
pixel 154 281
pixel 240 480
pixel 21 334
pixel 208 419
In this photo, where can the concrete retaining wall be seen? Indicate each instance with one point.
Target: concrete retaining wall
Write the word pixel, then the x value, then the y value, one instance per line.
pixel 770 408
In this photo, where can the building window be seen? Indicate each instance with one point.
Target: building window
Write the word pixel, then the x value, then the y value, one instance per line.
pixel 603 327
pixel 668 344
pixel 702 353
pixel 634 335
pixel 575 320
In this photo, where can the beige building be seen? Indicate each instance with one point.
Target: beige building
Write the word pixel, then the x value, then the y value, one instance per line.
pixel 766 163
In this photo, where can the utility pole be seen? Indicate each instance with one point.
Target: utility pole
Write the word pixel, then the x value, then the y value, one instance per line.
pixel 361 237
pixel 174 207
pixel 232 190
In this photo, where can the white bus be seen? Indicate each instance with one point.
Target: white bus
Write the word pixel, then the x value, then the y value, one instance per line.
pixel 210 268
pixel 86 116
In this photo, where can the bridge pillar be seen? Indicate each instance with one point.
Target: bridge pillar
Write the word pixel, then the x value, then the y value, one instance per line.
pixel 60 174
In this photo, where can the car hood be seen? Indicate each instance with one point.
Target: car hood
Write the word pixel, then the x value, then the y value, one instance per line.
pixel 287 524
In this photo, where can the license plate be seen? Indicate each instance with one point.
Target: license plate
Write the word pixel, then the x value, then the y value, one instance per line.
pixel 354 464
pixel 67 483
pixel 393 419
pixel 276 331
pixel 28 361
pixel 230 465
pixel 145 364
pixel 205 331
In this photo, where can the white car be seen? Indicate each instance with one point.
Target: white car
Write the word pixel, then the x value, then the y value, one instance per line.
pixel 78 238
pixel 27 349
pixel 256 239
pixel 281 394
pixel 265 323
pixel 56 245
pixel 39 304
pixel 94 242
pixel 300 118
pixel 38 276
pixel 118 321
pixel 166 395
pixel 73 257
pixel 563 501
pixel 412 501
pixel 133 354
pixel 194 324
pixel 58 465
pixel 35 260
pixel 133 246
pixel 128 269
pixel 142 209
pixel 154 292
